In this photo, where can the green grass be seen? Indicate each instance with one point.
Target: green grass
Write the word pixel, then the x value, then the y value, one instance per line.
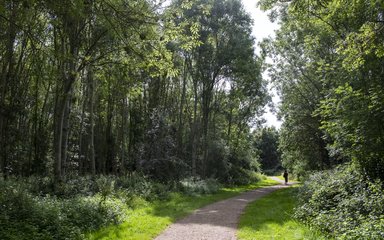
pixel 148 221
pixel 271 218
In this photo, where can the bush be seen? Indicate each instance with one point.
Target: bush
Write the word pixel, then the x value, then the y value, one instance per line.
pixel 343 203
pixel 74 186
pixel 24 215
pixel 105 186
pixel 193 186
pixel 139 185
pixel 244 167
pixel 234 166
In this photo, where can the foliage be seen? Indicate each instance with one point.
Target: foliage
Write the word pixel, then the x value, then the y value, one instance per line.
pixel 236 165
pixel 294 74
pixel 114 87
pixel 266 141
pixel 351 117
pixel 198 186
pixel 25 216
pixel 106 105
pixel 328 68
pixel 159 156
pixel 343 203
pixel 271 217
pixel 224 58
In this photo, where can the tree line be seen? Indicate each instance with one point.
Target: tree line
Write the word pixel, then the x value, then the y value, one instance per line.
pixel 116 86
pixel 328 67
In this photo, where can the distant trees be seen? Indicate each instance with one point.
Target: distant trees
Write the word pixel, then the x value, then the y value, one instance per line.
pixel 108 87
pixel 267 143
pixel 329 66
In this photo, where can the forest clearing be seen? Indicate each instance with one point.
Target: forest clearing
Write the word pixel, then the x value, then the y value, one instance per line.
pixel 127 119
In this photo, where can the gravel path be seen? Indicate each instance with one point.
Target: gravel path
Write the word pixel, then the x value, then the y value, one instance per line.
pixel 217 221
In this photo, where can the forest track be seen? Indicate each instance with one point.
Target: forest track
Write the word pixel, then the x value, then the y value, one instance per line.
pixel 217 221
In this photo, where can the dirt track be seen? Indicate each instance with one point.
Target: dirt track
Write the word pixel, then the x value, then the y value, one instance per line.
pixel 215 221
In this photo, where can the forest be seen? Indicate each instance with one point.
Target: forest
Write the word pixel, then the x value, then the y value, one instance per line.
pixel 109 108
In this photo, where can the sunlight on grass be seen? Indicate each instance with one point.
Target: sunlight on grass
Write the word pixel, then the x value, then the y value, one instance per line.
pixel 271 218
pixel 147 222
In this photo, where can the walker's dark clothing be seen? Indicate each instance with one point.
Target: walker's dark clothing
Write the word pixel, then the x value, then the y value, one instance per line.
pixel 285 177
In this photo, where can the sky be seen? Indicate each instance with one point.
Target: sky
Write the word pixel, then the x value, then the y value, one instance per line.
pixel 263 28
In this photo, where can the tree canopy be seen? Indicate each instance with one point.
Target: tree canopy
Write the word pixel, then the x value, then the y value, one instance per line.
pixel 329 68
pixel 117 86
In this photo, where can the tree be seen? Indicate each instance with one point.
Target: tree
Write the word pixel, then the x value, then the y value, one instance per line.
pixel 225 51
pixel 267 140
pixel 332 48
pixel 295 75
pixel 90 87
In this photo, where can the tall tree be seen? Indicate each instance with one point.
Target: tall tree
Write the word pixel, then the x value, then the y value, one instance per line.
pixel 333 52
pixel 267 141
pixel 226 47
pixel 91 87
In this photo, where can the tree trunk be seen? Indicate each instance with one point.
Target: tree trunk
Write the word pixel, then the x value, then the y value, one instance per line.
pixel 81 152
pixel 91 120
pixel 58 136
pixel 124 117
pixel 110 157
pixel 206 109
pixel 194 130
pixel 6 77
pixel 181 109
pixel 65 135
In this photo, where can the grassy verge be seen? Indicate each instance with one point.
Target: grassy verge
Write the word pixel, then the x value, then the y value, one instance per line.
pixel 271 218
pixel 149 220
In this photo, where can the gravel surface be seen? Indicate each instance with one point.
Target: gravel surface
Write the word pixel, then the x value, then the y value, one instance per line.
pixel 215 221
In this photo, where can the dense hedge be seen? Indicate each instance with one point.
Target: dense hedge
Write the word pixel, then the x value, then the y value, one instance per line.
pixel 343 203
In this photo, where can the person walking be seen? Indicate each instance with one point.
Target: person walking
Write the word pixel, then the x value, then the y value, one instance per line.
pixel 285 175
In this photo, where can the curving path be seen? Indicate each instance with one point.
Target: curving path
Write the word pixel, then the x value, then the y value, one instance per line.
pixel 216 221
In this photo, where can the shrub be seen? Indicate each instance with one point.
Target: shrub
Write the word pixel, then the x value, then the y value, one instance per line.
pixel 141 186
pixel 105 186
pixel 244 164
pixel 193 186
pixel 24 215
pixel 235 166
pixel 343 203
